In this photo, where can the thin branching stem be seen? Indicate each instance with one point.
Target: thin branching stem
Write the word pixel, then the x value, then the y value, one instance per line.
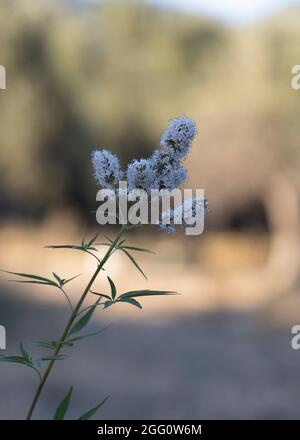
pixel 89 307
pixel 93 255
pixel 71 321
pixel 38 372
pixel 68 299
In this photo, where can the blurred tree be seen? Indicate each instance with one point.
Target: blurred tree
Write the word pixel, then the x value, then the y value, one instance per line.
pixel 110 75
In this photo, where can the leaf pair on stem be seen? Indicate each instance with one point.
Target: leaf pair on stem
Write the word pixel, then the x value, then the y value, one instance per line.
pixel 128 297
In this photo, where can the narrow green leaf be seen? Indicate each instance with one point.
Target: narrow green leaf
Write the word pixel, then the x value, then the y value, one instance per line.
pixel 83 321
pixel 71 279
pixel 50 283
pixel 108 304
pixel 58 357
pixel 107 238
pixel 37 362
pixel 138 293
pixel 103 244
pixel 37 278
pixel 88 335
pixel 56 277
pixel 93 240
pixel 83 248
pixel 68 343
pixel 60 281
pixel 43 344
pixel 51 345
pixel 64 246
pixel 63 344
pixel 24 352
pixel 133 248
pixel 14 359
pixel 100 294
pixel 63 406
pixel 92 411
pixel 132 301
pixel 134 262
pixel 112 288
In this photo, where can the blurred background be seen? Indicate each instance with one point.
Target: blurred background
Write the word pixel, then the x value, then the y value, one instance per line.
pixel 110 74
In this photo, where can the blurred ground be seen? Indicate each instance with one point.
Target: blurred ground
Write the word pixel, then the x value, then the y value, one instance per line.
pixel 209 353
pixel 210 271
pixel 205 365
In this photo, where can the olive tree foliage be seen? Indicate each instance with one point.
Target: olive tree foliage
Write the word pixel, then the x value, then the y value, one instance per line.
pixel 82 77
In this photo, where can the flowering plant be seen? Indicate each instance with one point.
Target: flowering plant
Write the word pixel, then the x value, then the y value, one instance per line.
pixel 163 170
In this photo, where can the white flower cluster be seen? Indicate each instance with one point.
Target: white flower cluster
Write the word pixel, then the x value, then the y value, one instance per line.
pixel 162 170
pixel 106 168
pixel 179 136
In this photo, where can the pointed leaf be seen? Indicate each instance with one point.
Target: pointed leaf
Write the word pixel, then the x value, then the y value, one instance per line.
pixel 88 335
pixel 51 345
pixel 24 352
pixel 37 278
pixel 43 344
pixel 83 321
pixel 132 301
pixel 64 246
pixel 50 283
pixel 93 240
pixel 14 359
pixel 71 279
pixel 37 362
pixel 107 238
pixel 62 344
pixel 100 294
pixel 134 262
pixel 58 357
pixel 92 411
pixel 63 406
pixel 137 293
pixel 133 248
pixel 112 287
pixel 60 281
pixel 108 304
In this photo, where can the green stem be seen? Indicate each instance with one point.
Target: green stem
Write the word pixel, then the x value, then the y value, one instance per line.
pixel 68 299
pixel 70 323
